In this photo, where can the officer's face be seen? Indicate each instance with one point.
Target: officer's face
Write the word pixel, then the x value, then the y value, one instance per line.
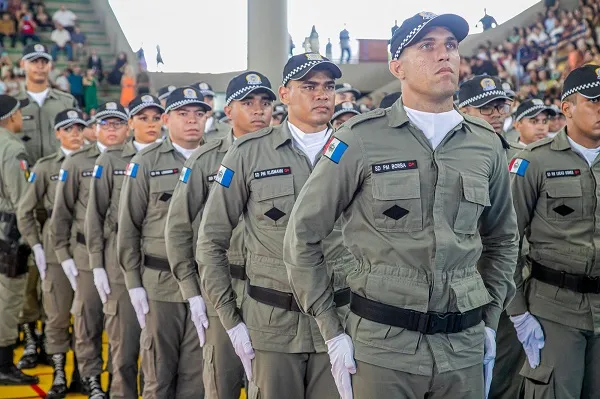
pixel 146 125
pixel 532 129
pixel 429 68
pixel 557 123
pixel 210 100
pixel 186 125
pixel 344 97
pixel 310 101
pixel 494 113
pixel 112 131
pixel 71 137
pixel 89 133
pixel 37 70
pixel 16 122
pixel 341 119
pixel 250 114
pixel 583 118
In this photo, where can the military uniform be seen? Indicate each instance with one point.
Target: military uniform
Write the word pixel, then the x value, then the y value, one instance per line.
pixel 411 216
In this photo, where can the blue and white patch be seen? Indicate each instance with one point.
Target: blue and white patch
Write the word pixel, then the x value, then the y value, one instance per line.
pixel 98 171
pixel 224 176
pixel 62 175
pixel 185 175
pixel 518 166
pixel 132 169
pixel 31 177
pixel 334 149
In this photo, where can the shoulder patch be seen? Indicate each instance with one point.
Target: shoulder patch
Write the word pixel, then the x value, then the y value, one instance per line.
pixel 251 136
pixel 374 114
pixel 132 169
pixel 539 143
pixel 32 177
pixel 224 176
pixel 98 171
pixel 518 166
pixel 185 175
pixel 335 149
pixel 62 175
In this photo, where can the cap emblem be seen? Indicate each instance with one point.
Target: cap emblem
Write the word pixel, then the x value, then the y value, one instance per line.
pixel 597 73
pixel 112 106
pixel 314 57
pixel 347 105
pixel 204 86
pixel 39 48
pixel 72 114
pixel 537 101
pixel 427 15
pixel 147 99
pixel 190 93
pixel 488 84
pixel 171 88
pixel 253 79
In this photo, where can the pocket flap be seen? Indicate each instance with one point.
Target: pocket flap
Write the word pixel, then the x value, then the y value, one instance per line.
pixel 146 340
pixel 476 190
pixel 471 293
pixel 110 307
pixel 564 189
pixel 541 374
pixel 77 307
pixel 208 353
pixel 46 285
pixel 273 187
pixel 398 185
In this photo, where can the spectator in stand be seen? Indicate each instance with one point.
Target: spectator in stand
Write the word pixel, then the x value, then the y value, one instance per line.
pixel 79 41
pixel 65 17
pixel 3 5
pixel 143 83
pixel 22 10
pixel 42 19
pixel 8 29
pixel 10 80
pixel 538 36
pixel 95 63
pixel 62 41
pixel 62 81
pixel 141 59
pixel 27 28
pixel 488 22
pixel 575 57
pixel 5 61
pixel 127 86
pixel 90 91
pixel 114 77
pixel 76 84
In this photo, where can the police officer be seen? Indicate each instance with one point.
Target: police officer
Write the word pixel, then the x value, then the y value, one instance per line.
pixel 101 225
pixel 557 122
pixel 259 179
pixel 40 141
pixel 249 104
pixel 423 189
pixel 343 112
pixel 67 227
pixel 532 123
pixel 14 173
pixel 214 128
pixel 57 295
pixel 279 114
pixel 344 92
pixel 170 348
pixel 163 93
pixel 555 198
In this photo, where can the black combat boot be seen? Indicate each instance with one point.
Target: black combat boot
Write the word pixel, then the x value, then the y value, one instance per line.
pixel 29 360
pixel 9 373
pixel 43 357
pixel 58 390
pixel 95 386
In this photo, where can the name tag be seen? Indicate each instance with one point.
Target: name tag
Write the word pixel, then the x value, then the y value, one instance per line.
pixel 273 172
pixel 563 173
pixel 119 172
pixel 211 178
pixel 164 172
pixel 54 177
pixel 393 166
pixel 87 173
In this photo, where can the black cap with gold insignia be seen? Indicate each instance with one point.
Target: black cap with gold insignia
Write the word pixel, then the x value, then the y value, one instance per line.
pixel 9 105
pixel 345 108
pixel 68 118
pixel 299 65
pixel 279 109
pixel 413 28
pixel 183 96
pixel 532 108
pixel 584 80
pixel 164 92
pixel 347 88
pixel 246 83
pixel 142 102
pixel 480 90
pixel 111 109
pixel 34 51
pixel 205 89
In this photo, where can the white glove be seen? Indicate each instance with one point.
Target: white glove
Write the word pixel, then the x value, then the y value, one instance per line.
pixel 198 316
pixel 101 283
pixel 341 357
pixel 70 271
pixel 139 300
pixel 489 358
pixel 531 336
pixel 240 338
pixel 40 259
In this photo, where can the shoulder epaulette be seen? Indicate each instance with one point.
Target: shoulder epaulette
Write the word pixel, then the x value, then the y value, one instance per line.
pixel 46 158
pixel 82 150
pixel 113 148
pixel 479 122
pixel 374 114
pixel 204 148
pixel 251 136
pixel 539 143
pixel 150 148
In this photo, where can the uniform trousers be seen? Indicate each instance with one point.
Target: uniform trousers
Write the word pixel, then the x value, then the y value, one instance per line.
pixel 57 296
pixel 11 303
pixel 507 382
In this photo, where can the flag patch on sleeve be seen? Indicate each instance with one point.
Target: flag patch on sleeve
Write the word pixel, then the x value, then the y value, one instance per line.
pixel 62 175
pixel 132 169
pixel 518 166
pixel 185 175
pixel 335 149
pixel 24 165
pixel 98 171
pixel 31 177
pixel 224 176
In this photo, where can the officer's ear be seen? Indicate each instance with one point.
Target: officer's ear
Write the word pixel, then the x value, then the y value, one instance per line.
pixel 567 106
pixel 284 94
pixel 130 123
pixel 165 118
pixel 397 69
pixel 227 109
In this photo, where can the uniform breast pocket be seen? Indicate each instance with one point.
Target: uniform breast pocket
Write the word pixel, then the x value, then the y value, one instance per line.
pixel 161 192
pixel 564 199
pixel 397 201
pixel 475 197
pixel 272 200
pixel 29 128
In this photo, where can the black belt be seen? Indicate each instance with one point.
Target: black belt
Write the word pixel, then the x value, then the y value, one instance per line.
pixel 153 262
pixel 237 272
pixel 575 282
pixel 425 323
pixel 80 238
pixel 286 301
pixel 7 217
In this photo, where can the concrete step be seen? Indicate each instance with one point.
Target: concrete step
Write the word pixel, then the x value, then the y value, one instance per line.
pixel 90 27
pixel 104 52
pixel 75 6
pixel 87 11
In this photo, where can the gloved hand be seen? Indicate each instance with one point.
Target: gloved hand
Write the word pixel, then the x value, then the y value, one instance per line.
pixel 101 283
pixel 341 357
pixel 40 259
pixel 489 358
pixel 139 300
pixel 198 316
pixel 71 272
pixel 531 336
pixel 240 338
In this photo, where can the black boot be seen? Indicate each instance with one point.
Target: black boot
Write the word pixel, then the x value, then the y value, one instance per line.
pixel 43 357
pixel 29 359
pixel 58 390
pixel 96 391
pixel 9 373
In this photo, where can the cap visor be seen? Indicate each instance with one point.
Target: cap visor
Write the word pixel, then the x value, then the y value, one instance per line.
pixel 344 111
pixel 591 93
pixel 535 113
pixel 487 100
pixel 141 107
pixel 175 106
pixel 35 56
pixel 264 89
pixel 101 117
pixel 23 103
pixel 64 125
pixel 454 23
pixel 207 93
pixel 327 65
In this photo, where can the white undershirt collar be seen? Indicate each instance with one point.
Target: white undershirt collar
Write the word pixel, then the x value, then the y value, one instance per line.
pixel 435 126
pixel 589 154
pixel 310 143
pixel 184 151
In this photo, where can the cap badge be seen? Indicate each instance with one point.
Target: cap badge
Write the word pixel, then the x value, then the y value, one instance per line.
pixel 537 101
pixel 427 15
pixel 190 93
pixel 253 79
pixel 204 86
pixel 314 57
pixel 147 99
pixel 347 105
pixel 171 88
pixel 39 48
pixel 346 85
pixel 597 73
pixel 111 106
pixel 72 114
pixel 488 84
